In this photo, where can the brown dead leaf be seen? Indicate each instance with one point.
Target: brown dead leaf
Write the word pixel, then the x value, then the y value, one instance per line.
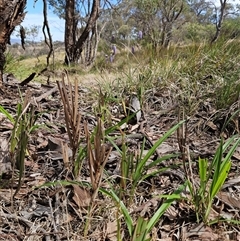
pixel 54 144
pixel 134 127
pixel 183 233
pixel 229 200
pixel 231 182
pixel 67 218
pixel 236 155
pixel 5 163
pixel 5 194
pixel 205 233
pixel 81 196
pixel 112 230
pixel 171 213
pixel 32 164
pixel 4 144
pixel 208 235
pixel 211 125
pixel 165 148
pixel 42 143
pixel 38 180
pixel 145 207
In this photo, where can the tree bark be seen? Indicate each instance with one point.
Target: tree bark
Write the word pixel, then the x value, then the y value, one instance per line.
pixel 70 31
pixel 47 35
pixel 171 13
pixel 11 15
pixel 90 25
pixel 219 21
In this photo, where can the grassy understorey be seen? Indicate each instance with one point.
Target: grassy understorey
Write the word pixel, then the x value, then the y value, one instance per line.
pixel 186 95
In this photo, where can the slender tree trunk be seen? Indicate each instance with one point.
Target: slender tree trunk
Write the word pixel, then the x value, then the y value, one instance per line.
pixel 91 41
pixel 170 15
pixel 11 15
pixel 95 40
pixel 47 34
pixel 90 25
pixel 73 46
pixel 168 35
pixel 70 31
pixel 87 47
pixel 219 21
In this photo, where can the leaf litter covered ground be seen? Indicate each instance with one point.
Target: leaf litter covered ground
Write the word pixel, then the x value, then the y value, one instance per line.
pixel 59 209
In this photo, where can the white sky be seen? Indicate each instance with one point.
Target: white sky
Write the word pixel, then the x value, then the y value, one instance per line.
pixel 56 25
pixel 34 17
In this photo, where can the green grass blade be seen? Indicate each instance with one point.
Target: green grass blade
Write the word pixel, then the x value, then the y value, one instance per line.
pixel 124 210
pixel 139 231
pixel 7 114
pixel 110 139
pixel 164 207
pixel 202 165
pixel 220 180
pixel 34 127
pixel 118 125
pixel 154 173
pixel 223 147
pixel 138 173
pixel 236 113
pixel 232 150
pixel 222 166
pixel 164 158
pixel 217 165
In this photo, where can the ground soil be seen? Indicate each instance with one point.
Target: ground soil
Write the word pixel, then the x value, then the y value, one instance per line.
pixel 58 210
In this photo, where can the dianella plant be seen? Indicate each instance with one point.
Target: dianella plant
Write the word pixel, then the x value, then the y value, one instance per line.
pixel 23 124
pixel 133 172
pixel 141 229
pixel 212 175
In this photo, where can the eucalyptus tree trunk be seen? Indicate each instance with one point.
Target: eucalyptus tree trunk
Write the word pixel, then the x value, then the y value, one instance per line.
pixel 73 46
pixel 219 21
pixel 11 15
pixel 90 48
pixel 171 11
pixel 91 23
pixel 95 41
pixel 70 31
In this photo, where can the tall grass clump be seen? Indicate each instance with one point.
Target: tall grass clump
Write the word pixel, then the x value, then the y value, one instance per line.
pixel 14 65
pixel 202 71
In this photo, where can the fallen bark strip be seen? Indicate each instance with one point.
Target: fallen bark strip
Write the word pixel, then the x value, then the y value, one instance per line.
pixel 44 95
pixel 28 79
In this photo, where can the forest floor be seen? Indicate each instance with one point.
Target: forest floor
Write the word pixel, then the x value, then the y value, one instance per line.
pixel 51 203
